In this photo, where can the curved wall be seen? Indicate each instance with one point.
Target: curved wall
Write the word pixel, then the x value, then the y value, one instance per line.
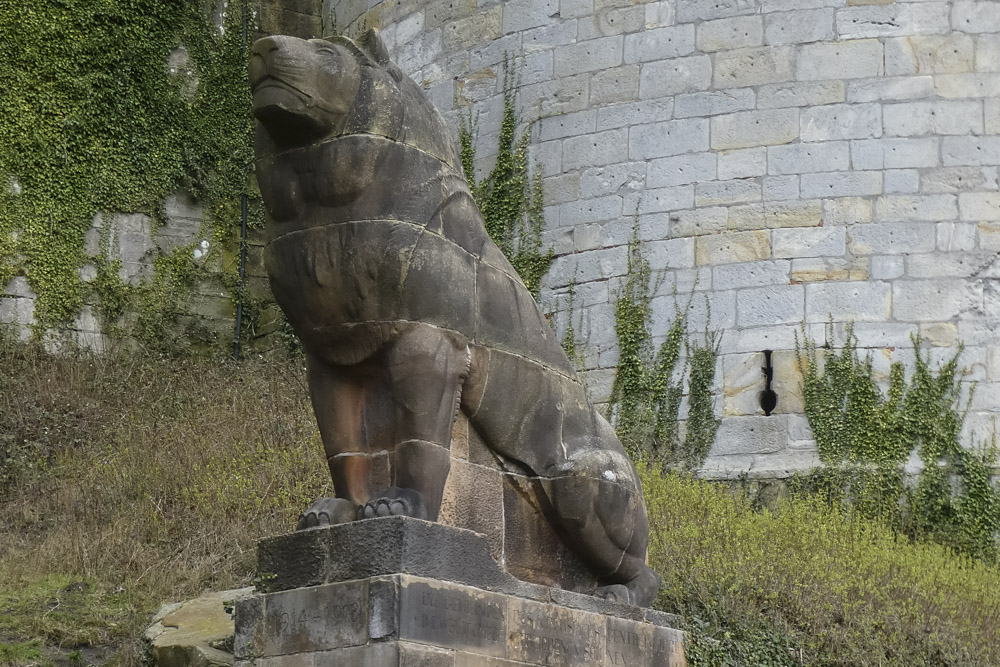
pixel 791 160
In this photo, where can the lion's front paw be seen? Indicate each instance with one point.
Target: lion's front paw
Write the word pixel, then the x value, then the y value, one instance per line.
pixel 395 502
pixel 327 512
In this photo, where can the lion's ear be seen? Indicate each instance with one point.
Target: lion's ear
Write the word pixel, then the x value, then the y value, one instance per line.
pixel 372 43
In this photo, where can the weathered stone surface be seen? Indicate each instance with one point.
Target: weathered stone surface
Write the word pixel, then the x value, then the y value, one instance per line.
pixel 195 633
pixel 409 312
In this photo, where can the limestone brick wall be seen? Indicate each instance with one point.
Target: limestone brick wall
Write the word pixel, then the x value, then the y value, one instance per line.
pixel 790 162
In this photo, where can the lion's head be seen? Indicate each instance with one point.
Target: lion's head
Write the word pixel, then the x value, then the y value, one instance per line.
pixel 306 91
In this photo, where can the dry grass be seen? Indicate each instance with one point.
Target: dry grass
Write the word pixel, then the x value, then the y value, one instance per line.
pixel 146 479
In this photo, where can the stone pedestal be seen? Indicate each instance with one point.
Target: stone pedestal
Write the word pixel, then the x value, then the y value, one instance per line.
pixel 404 592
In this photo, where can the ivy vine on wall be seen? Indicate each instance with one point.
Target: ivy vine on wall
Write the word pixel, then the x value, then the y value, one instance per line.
pixel 649 384
pixel 91 120
pixel 865 437
pixel 510 200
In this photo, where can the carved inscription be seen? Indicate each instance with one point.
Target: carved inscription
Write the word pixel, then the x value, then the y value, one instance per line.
pixel 637 645
pixel 549 635
pixel 454 617
pixel 316 618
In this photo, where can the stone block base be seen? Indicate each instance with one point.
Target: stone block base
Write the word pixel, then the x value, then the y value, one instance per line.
pixel 406 620
pixel 400 591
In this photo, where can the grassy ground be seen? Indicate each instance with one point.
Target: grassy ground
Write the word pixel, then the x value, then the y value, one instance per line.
pixel 126 481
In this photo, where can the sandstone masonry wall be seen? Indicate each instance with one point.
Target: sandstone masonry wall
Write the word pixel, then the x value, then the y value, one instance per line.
pixel 791 162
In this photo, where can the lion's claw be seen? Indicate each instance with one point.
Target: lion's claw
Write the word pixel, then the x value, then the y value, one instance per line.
pixel 394 502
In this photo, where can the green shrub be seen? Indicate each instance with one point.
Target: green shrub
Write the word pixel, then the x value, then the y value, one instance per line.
pixel 804 577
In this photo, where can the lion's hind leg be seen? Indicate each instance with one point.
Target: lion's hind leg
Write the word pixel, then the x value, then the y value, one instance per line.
pixel 598 507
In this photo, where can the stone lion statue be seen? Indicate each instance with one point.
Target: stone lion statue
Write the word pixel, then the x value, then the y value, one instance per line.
pixel 409 313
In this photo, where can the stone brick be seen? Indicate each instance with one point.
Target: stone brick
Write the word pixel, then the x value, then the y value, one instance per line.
pixel 800 94
pixel 563 188
pixel 733 247
pixel 816 269
pixel 887 267
pixel 521 15
pixel 612 179
pixel 743 163
pixel 956 236
pixel 854 59
pixel 958 179
pixel 847 211
pixel 849 301
pixel 611 22
pixel 742 382
pixel 575 8
pixel 933 300
pixel 713 103
pixel 890 89
pixel 780 187
pixel 692 168
pixel 934 208
pixel 892 238
pixel 948 265
pixel 809 242
pixel 979 206
pixel 618 84
pixel 901 181
pixel 548 36
pixel 567 125
pixel 755 128
pixel 471 30
pixel 957 151
pixel 698 222
pixel 989 236
pixel 892 19
pixel 672 77
pixel 659 14
pixel 773 304
pixel 593 150
pixel 961 86
pixel 782 214
pixel 670 138
pixel 725 193
pixel 750 435
pixel 753 67
pixel 731 33
pixel 750 274
pixel 659 44
pixel 991 112
pixel 799 27
pixel 582 211
pixel 841 121
pixel 987 53
pixel 697 10
pixel 675 253
pixel 666 199
pixel 781 336
pixel 928 54
pixel 841 184
pixel 909 119
pixel 895 153
pixel 589 56
pixel 805 158
pixel 976 16
pixel 634 113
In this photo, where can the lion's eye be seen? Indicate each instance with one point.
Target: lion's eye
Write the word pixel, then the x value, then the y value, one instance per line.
pixel 324 49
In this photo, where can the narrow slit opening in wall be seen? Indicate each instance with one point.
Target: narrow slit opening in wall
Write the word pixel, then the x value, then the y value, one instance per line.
pixel 768 399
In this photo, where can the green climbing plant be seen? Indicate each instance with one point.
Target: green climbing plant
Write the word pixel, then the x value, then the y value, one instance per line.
pixel 510 200
pixel 649 383
pixel 866 435
pixel 93 120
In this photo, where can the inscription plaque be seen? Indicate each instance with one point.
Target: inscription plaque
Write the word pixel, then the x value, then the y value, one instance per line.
pixel 546 635
pixel 454 617
pixel 317 618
